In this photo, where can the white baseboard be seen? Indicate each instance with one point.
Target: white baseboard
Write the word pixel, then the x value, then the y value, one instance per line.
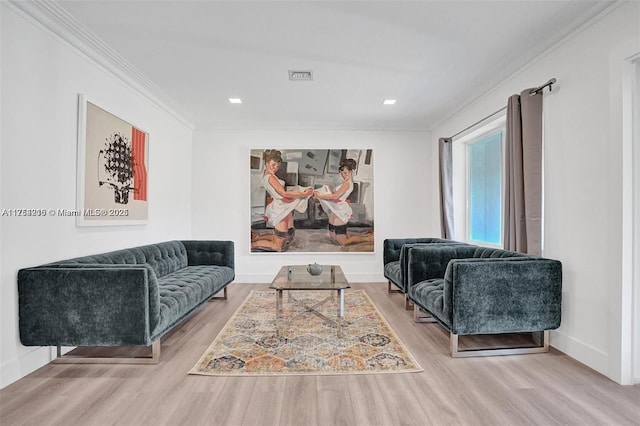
pixel 580 351
pixel 17 368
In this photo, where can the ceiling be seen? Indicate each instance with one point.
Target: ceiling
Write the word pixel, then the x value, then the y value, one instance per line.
pixel 434 57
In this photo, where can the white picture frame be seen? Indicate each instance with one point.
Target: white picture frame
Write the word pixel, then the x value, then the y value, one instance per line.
pixel 112 168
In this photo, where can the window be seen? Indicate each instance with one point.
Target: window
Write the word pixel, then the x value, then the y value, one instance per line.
pixel 484 215
pixel 478 183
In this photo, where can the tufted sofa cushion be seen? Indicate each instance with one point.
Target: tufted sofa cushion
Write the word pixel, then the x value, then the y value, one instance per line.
pixel 430 293
pixel 431 261
pixel 182 290
pixel 393 246
pixel 495 253
pixel 395 257
pixel 164 258
pixel 393 273
pixel 210 253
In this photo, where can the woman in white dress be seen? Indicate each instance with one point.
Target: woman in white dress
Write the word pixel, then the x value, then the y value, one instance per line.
pixel 336 203
pixel 279 212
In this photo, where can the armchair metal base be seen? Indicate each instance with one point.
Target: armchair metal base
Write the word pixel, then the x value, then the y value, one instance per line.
pixel 457 353
pixel 153 358
pixel 421 316
pixel 392 288
pixel 408 304
pixel 542 343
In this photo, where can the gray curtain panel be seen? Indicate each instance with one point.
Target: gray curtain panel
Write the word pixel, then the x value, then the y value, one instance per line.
pixel 446 188
pixel 522 228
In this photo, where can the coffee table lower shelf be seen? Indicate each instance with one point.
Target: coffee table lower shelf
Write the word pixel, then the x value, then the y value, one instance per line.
pixel 293 278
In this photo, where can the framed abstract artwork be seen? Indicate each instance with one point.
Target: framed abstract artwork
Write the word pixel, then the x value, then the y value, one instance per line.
pixel 113 160
pixel 311 200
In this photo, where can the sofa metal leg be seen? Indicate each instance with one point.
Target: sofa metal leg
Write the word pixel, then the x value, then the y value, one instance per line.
pixel 457 353
pixel 392 288
pixel 408 304
pixel 153 358
pixel 223 297
pixel 417 317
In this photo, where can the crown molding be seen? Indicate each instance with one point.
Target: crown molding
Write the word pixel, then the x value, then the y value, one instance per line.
pixel 53 17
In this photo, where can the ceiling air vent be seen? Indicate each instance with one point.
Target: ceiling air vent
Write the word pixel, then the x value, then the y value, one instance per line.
pixel 300 75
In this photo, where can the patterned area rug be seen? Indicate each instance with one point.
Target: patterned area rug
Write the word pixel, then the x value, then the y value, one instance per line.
pixel 253 343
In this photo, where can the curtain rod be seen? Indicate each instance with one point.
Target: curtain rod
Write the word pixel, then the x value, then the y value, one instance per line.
pixel 478 122
pixel 548 83
pixel 531 93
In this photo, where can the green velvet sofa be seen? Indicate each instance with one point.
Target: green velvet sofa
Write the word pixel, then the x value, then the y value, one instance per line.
pixel 394 257
pixel 473 290
pixel 129 297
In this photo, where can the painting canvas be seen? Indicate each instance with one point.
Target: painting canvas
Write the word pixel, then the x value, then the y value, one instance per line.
pixel 311 200
pixel 112 169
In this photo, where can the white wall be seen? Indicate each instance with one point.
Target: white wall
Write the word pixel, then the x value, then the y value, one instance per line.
pixel 41 78
pixel 583 179
pixel 633 206
pixel 405 188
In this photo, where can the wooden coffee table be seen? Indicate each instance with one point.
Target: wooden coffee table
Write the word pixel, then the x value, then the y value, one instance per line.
pixel 292 278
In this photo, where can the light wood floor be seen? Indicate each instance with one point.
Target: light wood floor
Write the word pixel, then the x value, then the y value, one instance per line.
pixel 542 389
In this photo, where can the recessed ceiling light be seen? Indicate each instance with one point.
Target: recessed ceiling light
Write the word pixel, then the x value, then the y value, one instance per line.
pixel 389 102
pixel 300 75
pixel 235 100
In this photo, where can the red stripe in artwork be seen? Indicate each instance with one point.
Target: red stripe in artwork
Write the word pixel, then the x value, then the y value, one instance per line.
pixel 139 167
